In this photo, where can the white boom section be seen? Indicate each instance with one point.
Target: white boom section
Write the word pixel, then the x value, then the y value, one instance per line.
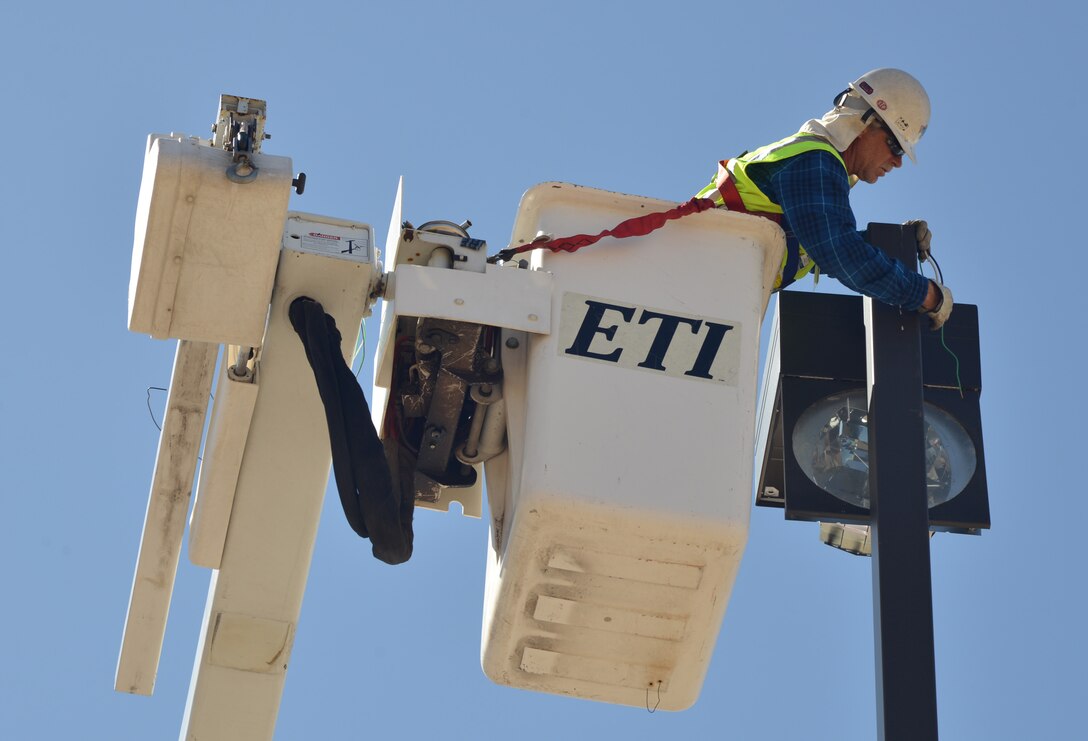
pixel 164 524
pixel 228 430
pixel 255 596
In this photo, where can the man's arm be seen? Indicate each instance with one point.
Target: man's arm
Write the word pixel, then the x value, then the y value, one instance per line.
pixel 814 193
pixel 933 297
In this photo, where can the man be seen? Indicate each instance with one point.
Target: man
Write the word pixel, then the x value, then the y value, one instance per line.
pixel 803 182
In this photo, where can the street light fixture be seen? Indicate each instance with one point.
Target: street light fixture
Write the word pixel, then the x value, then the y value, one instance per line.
pixel 814 425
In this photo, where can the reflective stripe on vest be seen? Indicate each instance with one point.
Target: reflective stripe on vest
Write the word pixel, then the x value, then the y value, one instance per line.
pixel 732 188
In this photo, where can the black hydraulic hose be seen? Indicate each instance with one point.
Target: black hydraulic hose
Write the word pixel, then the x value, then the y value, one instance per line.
pixel 373 508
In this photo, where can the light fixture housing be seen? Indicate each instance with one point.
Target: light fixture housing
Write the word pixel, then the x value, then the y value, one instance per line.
pixel 831 444
pixel 812 429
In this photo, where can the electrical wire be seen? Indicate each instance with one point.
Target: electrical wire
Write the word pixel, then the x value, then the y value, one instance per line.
pixel 940 279
pixel 152 413
pixel 360 346
pixel 959 383
pixel 149 410
pixel 937 269
pixel 656 704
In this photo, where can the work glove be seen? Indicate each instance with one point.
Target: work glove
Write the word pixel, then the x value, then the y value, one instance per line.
pixel 922 235
pixel 939 315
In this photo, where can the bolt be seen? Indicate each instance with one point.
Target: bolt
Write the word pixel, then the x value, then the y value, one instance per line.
pixel 491 365
pixel 434 436
pixel 512 343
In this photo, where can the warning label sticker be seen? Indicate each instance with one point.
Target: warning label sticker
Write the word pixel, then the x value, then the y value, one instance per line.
pixel 346 242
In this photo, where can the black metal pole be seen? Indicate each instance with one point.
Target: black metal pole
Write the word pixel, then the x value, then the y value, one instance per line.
pixel 906 681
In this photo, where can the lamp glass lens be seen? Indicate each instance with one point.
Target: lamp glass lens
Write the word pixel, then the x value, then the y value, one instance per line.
pixel 831 444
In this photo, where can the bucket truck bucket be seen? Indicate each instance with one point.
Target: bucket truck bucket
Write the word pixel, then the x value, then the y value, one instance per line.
pixel 620 507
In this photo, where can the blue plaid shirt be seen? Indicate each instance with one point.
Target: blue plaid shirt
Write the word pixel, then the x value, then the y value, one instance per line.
pixel 813 190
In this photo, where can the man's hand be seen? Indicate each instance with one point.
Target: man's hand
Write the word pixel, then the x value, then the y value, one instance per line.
pixel 937 305
pixel 923 236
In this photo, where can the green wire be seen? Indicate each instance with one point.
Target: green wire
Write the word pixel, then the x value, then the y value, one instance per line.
pixel 959 383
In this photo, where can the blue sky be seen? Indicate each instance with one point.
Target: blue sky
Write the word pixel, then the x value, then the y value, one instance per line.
pixel 473 103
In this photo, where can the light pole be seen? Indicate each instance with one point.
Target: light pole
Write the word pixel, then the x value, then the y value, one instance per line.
pixel 906 682
pixel 867 417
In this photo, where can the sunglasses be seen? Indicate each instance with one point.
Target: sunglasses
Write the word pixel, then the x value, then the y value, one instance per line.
pixel 893 143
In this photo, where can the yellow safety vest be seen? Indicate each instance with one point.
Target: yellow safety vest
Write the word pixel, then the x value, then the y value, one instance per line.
pixel 732 188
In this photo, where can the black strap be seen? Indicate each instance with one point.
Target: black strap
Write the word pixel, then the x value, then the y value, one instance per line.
pixel 793 260
pixel 374 509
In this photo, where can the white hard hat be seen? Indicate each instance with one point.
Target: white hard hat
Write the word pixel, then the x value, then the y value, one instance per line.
pixel 899 100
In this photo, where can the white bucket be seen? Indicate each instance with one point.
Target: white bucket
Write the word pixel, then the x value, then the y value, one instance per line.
pixel 625 493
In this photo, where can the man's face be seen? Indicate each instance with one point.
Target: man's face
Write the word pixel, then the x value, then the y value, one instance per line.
pixel 872 155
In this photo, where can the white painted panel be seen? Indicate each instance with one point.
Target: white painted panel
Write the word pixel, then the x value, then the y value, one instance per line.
pixel 205 248
pixel 501 297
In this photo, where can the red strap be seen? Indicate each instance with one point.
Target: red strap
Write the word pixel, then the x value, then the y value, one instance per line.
pixel 727 187
pixel 638 226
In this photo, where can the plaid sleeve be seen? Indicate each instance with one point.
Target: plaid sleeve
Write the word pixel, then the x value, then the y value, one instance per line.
pixel 814 193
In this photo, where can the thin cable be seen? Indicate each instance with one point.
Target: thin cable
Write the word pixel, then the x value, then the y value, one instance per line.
pixel 149 411
pixel 360 346
pixel 651 684
pixel 155 421
pixel 937 268
pixel 940 279
pixel 959 383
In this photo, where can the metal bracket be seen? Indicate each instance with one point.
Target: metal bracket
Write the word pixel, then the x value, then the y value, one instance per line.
pixel 239 129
